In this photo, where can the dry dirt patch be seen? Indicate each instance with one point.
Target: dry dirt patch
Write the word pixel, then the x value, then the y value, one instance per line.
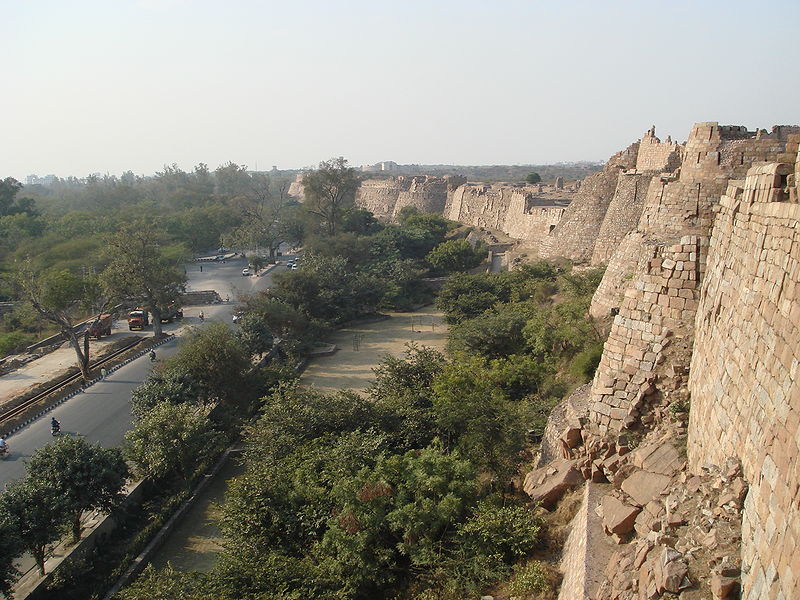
pixel 362 346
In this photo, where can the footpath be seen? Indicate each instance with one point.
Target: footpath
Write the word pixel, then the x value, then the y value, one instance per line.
pixel 195 540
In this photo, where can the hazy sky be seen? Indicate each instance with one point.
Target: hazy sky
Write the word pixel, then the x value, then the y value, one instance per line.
pixel 120 84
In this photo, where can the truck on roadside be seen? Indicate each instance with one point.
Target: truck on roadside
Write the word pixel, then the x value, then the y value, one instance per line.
pixel 100 326
pixel 172 313
pixel 138 318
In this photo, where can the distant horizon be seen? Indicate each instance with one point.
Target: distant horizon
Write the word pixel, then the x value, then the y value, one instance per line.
pixel 280 170
pixel 96 87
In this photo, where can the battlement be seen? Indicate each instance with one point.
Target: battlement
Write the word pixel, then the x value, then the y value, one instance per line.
pixel 655 155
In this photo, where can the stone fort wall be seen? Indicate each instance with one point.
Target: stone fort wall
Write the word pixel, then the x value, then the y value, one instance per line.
pixel 725 304
pixel 575 235
pixel 386 197
pixel 517 210
pixel 744 371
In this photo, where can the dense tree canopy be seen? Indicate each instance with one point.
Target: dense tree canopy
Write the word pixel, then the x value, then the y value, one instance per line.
pixel 87 477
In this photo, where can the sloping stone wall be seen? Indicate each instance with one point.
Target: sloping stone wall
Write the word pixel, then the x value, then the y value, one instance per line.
pixel 650 319
pixel 623 213
pixel 575 235
pixel 744 372
pixel 386 197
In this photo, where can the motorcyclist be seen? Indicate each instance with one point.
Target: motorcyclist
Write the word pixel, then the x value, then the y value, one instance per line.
pixel 55 426
pixel 202 316
pixel 152 356
pixel 3 445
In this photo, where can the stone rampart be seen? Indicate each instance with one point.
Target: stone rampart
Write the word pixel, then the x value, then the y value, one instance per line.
pixel 517 210
pixel 296 188
pixel 650 320
pixel 386 197
pixel 657 156
pixel 623 213
pixel 683 203
pixel 575 235
pixel 744 371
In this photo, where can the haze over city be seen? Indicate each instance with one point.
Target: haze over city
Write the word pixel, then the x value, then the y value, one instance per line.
pixel 107 87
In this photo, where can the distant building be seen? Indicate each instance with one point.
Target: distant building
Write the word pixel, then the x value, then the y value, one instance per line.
pixel 36 180
pixel 387 166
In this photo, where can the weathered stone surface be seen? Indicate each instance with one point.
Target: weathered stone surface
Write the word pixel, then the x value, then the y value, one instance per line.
pixel 572 437
pixel 547 484
pixel 618 517
pixel 658 458
pixel 644 486
pixel 722 587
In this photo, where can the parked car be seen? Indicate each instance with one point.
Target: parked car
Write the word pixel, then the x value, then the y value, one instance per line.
pixel 237 315
pixel 289 264
pixel 246 271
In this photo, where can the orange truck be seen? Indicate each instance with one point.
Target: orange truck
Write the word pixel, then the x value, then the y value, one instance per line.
pixel 100 326
pixel 138 319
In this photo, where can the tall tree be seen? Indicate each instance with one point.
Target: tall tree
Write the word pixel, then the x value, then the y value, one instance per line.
pixel 9 551
pixel 87 476
pixel 330 190
pixel 63 298
pixel 36 511
pixel 171 438
pixel 141 271
pixel 261 210
pixel 9 203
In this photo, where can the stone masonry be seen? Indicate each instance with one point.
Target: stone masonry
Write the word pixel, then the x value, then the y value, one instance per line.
pixel 744 371
pixel 524 212
pixel 386 197
pixel 650 319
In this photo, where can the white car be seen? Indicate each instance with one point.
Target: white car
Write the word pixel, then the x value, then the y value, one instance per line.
pixel 246 271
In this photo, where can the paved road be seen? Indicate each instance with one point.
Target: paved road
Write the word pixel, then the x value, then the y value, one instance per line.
pixel 102 413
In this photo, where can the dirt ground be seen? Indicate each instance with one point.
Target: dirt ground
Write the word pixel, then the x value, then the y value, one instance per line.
pixel 195 542
pixel 362 347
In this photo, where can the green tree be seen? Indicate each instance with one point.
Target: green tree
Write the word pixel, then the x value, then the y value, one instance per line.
pixel 163 385
pixel 62 298
pixel 169 584
pixel 9 552
pixel 214 359
pixel 465 296
pixel 329 191
pixel 254 334
pixel 533 177
pixel 171 439
pixel 9 203
pixel 494 334
pixel 261 212
pixel 403 394
pixel 38 513
pixel 281 318
pixel 140 270
pixel 474 416
pixel 456 255
pixel 88 477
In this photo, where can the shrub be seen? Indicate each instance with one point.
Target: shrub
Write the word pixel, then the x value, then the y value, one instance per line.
pixel 533 580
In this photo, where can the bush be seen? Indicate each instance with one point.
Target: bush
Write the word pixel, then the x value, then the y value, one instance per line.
pixel 12 342
pixel 455 255
pixel 534 581
pixel 585 362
